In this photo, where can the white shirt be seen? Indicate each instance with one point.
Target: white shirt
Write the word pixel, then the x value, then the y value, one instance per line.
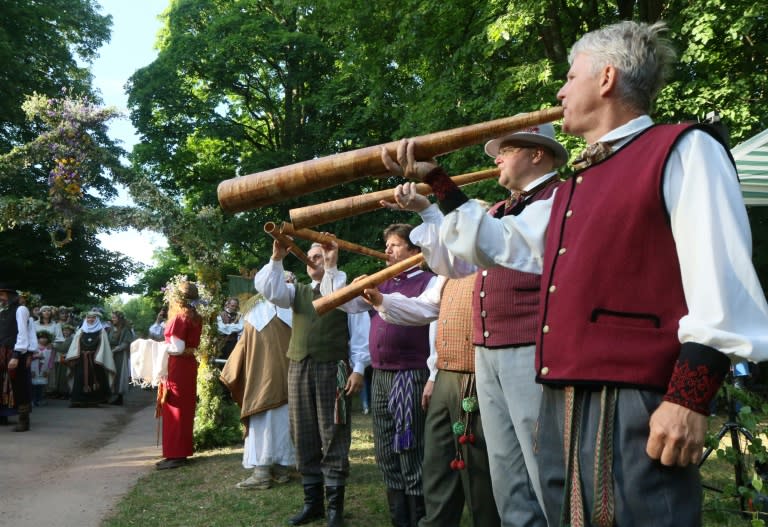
pixel 334 279
pixel 726 305
pixel 270 282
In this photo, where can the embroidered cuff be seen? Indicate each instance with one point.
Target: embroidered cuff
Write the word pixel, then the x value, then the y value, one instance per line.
pixel 697 376
pixel 449 196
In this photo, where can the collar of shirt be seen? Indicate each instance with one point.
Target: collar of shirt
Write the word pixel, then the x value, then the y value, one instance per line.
pixel 409 273
pixel 621 135
pixel 538 181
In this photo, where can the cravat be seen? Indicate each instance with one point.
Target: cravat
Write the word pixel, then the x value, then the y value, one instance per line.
pixel 592 154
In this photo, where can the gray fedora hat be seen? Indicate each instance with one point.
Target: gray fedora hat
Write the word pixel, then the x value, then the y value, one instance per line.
pixel 540 135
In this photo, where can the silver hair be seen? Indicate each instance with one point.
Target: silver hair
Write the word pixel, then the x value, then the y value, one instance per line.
pixel 643 57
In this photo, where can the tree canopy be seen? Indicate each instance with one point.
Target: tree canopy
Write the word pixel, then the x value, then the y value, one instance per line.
pixel 240 87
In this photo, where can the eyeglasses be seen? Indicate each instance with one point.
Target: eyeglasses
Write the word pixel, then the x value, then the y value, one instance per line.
pixel 504 150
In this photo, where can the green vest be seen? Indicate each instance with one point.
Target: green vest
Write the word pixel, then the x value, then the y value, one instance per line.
pixel 323 338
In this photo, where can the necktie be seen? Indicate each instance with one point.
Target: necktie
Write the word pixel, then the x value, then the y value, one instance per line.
pixel 316 289
pixel 594 153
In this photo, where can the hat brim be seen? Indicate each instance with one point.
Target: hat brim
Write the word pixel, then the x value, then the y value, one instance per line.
pixel 560 153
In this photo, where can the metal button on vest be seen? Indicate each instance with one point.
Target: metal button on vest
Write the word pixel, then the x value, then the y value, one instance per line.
pixel 579 179
pixel 486 334
pixel 544 370
pixel 485 272
pixel 483 313
pixel 569 214
pixel 552 289
pixel 561 251
pixel 545 329
pixel 482 294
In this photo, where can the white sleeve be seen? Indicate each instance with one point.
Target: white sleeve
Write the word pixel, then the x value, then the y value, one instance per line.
pixel 726 304
pixel 432 359
pixel 270 282
pixel 335 279
pixel 176 346
pixel 399 309
pixel 359 325
pixel 516 242
pixel 23 341
pixel 436 254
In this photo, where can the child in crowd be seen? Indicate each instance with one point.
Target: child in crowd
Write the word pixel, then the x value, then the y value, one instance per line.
pixel 41 362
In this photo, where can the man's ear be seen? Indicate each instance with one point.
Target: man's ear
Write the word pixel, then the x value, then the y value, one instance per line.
pixel 608 77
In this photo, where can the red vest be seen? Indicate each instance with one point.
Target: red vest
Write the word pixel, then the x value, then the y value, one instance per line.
pixel 505 302
pixel 612 295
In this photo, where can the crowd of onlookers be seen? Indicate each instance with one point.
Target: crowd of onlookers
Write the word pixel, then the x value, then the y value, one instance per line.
pixel 56 365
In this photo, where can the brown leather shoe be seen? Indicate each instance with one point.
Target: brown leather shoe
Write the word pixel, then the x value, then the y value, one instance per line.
pixel 169 463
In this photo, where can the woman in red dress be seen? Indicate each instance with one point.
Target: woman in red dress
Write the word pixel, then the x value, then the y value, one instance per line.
pixel 178 394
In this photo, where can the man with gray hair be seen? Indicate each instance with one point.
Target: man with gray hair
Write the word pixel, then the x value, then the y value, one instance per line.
pixel 640 315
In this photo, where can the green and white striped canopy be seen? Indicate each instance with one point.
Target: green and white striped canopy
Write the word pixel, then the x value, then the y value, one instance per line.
pixel 752 164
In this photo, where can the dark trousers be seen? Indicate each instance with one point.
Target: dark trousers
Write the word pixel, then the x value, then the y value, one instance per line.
pixel 446 490
pixel 645 491
pixel 322 446
pixel 401 470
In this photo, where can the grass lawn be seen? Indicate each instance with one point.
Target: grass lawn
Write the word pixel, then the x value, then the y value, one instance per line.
pixel 203 493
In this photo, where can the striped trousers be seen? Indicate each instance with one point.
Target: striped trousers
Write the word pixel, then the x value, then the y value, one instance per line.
pixel 401 470
pixel 322 447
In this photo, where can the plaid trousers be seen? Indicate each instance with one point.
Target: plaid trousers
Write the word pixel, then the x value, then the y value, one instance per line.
pixel 322 447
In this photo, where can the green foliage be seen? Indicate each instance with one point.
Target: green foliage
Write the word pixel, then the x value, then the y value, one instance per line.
pixel 217 418
pixel 138 310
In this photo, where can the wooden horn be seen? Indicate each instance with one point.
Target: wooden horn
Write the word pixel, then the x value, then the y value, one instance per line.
pixel 314 236
pixel 345 294
pixel 335 210
pixel 271 229
pixel 278 184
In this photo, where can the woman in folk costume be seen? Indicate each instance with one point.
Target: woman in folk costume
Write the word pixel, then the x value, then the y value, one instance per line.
pixel 90 359
pixel 257 375
pixel 178 394
pixel 120 338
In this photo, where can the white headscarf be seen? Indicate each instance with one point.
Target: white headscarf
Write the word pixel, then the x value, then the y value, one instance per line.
pixel 95 326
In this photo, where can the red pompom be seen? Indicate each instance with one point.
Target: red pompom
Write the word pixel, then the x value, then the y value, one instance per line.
pixel 463 439
pixel 460 464
pixel 471 438
pixel 454 464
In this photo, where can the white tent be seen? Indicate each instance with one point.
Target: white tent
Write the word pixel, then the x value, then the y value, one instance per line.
pixel 752 164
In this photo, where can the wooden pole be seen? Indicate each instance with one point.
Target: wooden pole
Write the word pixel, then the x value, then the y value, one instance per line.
pixel 306 234
pixel 326 303
pixel 335 210
pixel 278 184
pixel 271 229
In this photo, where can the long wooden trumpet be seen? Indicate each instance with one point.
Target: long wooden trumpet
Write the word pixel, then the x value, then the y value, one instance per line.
pixel 278 184
pixel 335 210
pixel 326 303
pixel 314 236
pixel 271 228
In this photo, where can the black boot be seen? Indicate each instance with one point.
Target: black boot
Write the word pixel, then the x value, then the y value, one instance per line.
pixel 23 424
pixel 313 505
pixel 416 509
pixel 335 507
pixel 398 508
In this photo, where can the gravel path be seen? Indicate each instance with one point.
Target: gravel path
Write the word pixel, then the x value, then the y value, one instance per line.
pixel 75 464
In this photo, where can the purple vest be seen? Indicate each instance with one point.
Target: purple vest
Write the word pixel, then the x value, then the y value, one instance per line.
pixel 612 294
pixel 505 302
pixel 395 347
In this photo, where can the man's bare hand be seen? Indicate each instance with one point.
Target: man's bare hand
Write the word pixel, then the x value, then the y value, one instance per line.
pixel 278 251
pixel 676 435
pixel 426 396
pixel 406 164
pixel 407 197
pixel 354 384
pixel 373 296
pixel 330 252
